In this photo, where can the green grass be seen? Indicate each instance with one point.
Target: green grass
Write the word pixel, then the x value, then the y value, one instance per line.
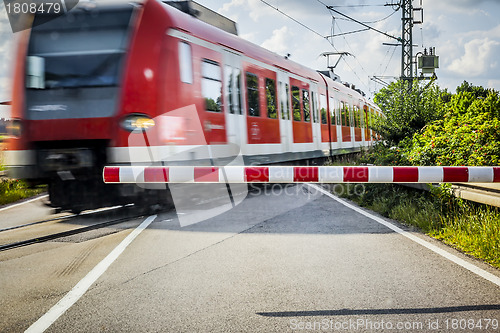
pixel 476 232
pixel 343 160
pixel 12 190
pixel 470 227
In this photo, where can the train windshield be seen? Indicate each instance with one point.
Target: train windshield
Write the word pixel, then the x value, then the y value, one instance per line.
pixel 82 71
pixel 84 48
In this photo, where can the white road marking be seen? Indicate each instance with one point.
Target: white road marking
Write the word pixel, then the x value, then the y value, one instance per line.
pixel 471 267
pixel 81 287
pixel 24 202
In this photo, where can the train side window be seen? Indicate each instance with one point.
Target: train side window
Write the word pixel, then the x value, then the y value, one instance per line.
pixel 343 113
pixel 296 103
pixel 370 119
pixel 356 117
pixel 316 107
pixel 271 98
pixel 287 97
pixel 350 119
pixel 364 118
pixel 332 111
pixel 253 95
pixel 229 85
pixel 232 78
pixel 348 111
pixel 322 105
pixel 313 107
pixel 185 62
pixel 338 112
pixel 306 105
pixel 314 101
pixel 282 100
pixel 237 102
pixel 211 85
pixel 285 101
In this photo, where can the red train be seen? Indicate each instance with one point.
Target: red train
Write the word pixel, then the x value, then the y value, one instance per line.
pixel 146 83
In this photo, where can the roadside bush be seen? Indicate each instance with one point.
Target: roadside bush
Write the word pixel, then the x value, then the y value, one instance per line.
pixel 382 154
pixel 406 111
pixel 12 190
pixel 468 133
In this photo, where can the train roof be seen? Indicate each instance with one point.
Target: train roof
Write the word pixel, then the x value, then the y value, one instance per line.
pixel 189 24
pixel 200 29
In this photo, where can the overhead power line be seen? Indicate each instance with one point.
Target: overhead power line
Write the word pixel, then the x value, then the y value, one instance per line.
pixel 369 22
pixel 387 66
pixel 360 5
pixel 363 24
pixel 291 18
pixel 347 33
pixel 352 50
pixel 382 19
pixel 316 33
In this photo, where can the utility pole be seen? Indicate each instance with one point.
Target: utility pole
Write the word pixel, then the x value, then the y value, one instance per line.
pixel 407 41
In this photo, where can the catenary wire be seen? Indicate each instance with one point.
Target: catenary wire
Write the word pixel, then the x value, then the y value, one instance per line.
pixel 317 33
pixel 359 63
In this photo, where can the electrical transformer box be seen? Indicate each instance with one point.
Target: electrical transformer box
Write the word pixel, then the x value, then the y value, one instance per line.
pixel 428 63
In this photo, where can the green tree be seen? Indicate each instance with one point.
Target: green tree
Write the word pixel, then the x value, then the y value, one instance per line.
pixel 477 91
pixel 467 134
pixel 406 111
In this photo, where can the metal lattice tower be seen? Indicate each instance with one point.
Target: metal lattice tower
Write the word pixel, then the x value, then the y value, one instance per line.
pixel 407 41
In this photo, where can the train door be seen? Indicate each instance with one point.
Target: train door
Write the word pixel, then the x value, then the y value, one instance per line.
pixel 284 105
pixel 358 121
pixel 233 94
pixel 371 133
pixel 367 124
pixel 351 119
pixel 316 127
pixel 301 114
pixel 325 132
pixel 334 106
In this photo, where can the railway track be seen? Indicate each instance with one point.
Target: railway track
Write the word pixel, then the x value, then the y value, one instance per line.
pixel 38 232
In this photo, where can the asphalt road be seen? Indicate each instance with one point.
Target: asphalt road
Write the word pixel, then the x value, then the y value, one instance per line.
pixel 285 259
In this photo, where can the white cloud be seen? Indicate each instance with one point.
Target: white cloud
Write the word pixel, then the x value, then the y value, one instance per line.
pixel 234 3
pixel 279 41
pixel 479 58
pixel 229 9
pixel 255 9
pixel 466 7
pixel 493 84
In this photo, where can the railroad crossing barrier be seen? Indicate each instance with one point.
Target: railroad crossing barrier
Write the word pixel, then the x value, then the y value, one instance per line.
pixel 299 174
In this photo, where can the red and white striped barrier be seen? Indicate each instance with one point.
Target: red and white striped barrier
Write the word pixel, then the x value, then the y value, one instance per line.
pixel 300 174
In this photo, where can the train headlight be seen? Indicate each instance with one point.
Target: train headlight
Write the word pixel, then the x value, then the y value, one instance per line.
pixel 137 122
pixel 14 128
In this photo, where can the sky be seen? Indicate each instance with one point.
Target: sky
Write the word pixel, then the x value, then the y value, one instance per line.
pixel 465 34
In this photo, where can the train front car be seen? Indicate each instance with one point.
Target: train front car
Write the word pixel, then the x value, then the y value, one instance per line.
pixel 74 77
